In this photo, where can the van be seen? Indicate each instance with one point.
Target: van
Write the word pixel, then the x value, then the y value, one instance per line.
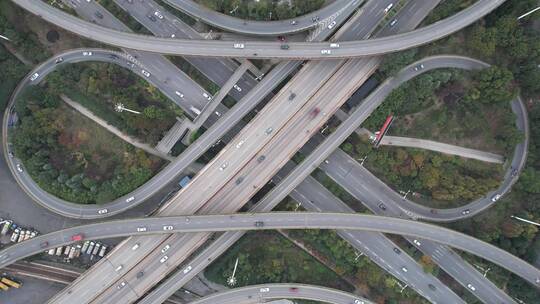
pixel 195 110
pixel 334 45
pixel 238 45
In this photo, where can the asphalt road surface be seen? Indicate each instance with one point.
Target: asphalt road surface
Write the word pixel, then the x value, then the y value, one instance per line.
pixel 275 220
pixel 267 292
pixel 251 27
pixel 259 49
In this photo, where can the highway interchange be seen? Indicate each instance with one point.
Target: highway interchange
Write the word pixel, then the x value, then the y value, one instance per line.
pixel 479 206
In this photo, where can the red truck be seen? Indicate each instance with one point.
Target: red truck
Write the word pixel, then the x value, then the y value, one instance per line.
pixel 314 112
pixel 77 237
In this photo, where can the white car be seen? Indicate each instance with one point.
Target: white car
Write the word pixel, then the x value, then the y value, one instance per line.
pixel 326 52
pixel 265 289
pixel 121 285
pixel 359 302
pixel 87 53
pixel 19 168
pixel 165 248
pixel 102 211
pixel 239 144
pixel 239 46
pixel 393 22
pixel 239 89
pixel 136 246
pixel 218 114
pixel 208 97
pixel 404 269
pixel 331 25
pixel 158 14
pixel 188 269
pixel 334 45
pixel 417 243
pixel 145 73
pixel 129 199
pixel 496 197
pixel 141 229
pixel 119 268
pixel 268 131
pixel 388 8
pixel 163 259
pixel 34 76
pixel 167 228
pixel 179 94
pixel 471 287
pixel 223 166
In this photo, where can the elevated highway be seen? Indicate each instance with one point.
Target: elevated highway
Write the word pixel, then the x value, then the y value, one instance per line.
pixel 274 220
pixel 259 49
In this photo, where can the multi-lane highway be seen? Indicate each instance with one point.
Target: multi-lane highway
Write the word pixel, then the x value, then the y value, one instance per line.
pixel 267 292
pixel 259 49
pixel 251 27
pixel 275 220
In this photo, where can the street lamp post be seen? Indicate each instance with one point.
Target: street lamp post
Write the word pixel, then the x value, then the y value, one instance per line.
pixel 119 107
pixel 5 38
pixel 528 13
pixel 232 280
pixel 525 220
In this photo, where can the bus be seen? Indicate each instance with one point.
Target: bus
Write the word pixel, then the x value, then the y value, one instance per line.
pixel 11 283
pixel 4 286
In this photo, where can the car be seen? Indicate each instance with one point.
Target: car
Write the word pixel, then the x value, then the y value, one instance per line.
pixel 15 235
pixel 103 250
pixel 382 206
pixel 388 8
pixel 87 53
pixel 10 154
pixel 145 73
pixel 331 25
pixel 396 250
pixel 90 248
pixel 404 269
pixel 102 211
pixel 19 168
pixel 294 22
pixel 269 130
pixel 96 249
pixel 417 243
pixel 113 56
pixel 432 287
pixel 314 112
pixel 34 76
pixel 419 67
pixel 141 229
pixel 163 259
pixel 293 289
pixel 261 158
pixel 77 237
pixel 58 60
pixel 98 14
pixel 85 246
pixel 284 47
pixel 495 198
pixel 223 166
pixel 393 22
pixel 236 87
pixel 165 248
pixel 158 14
pixel 239 180
pixel 205 95
pixel 326 52
pixel 136 246
pixel 121 285
pixel 239 46
pixel 259 224
pixel 292 96
pixel 218 114
pixel 315 18
pixel 466 211
pixel 471 287
pixel 281 38
pixel 359 302
pixel 33 234
pixel 51 251
pixel 117 269
pixel 179 94
pixel 240 143
pixel 334 45
pixel 173 35
pixel 187 269
pixel 326 161
pixel 44 244
pixel 152 18
pixel 514 172
pixel 264 289
pixel 168 227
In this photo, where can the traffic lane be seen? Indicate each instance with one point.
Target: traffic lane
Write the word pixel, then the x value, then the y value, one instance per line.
pixel 257 293
pixel 261 49
pixel 251 27
pixel 162 69
pixel 275 220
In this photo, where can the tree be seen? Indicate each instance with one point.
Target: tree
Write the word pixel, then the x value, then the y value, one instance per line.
pixel 483 40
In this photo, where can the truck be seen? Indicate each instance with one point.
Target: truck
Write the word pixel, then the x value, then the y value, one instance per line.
pixel 77 237
pixel 195 110
pixel 4 286
pixel 11 283
pixel 5 227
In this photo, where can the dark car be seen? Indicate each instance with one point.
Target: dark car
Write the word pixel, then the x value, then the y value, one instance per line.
pixel 261 158
pixel 99 15
pixel 396 250
pixel 292 96
pixel 284 47
pixel 259 224
pixel 382 206
pixel 151 17
pixel 239 180
pixel 432 287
